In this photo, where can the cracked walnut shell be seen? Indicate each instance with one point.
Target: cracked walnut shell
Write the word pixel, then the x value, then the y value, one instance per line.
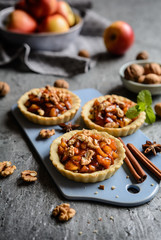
pixel 64 212
pixel 29 176
pixel 133 71
pixel 4 89
pixel 6 169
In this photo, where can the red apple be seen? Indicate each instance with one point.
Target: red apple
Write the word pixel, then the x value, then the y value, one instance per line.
pixel 65 10
pixel 41 8
pixel 21 5
pixel 118 37
pixel 55 23
pixel 21 22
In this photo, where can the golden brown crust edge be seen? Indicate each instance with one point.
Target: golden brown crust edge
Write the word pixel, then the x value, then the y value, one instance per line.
pixel 67 116
pixel 117 132
pixel 86 177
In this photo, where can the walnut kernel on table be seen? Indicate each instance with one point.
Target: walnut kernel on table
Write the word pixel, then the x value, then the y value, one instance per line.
pixel 84 53
pixel 142 55
pixel 46 133
pixel 4 89
pixel 133 71
pixel 157 108
pixel 64 212
pixel 29 175
pixel 6 169
pixel 61 83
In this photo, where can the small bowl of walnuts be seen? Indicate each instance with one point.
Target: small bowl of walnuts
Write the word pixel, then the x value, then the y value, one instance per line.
pixel 142 74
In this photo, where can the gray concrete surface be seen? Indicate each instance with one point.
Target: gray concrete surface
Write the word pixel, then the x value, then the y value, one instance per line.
pixel 25 211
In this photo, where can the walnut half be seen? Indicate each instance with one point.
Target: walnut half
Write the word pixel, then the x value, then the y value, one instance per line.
pixel 6 169
pixel 64 212
pixel 29 176
pixel 46 133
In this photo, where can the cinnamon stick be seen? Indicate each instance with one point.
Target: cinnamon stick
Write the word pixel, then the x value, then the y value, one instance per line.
pixel 156 171
pixel 133 165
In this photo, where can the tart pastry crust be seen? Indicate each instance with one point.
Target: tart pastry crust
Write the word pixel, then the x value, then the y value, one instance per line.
pixel 86 177
pixel 117 132
pixel 43 120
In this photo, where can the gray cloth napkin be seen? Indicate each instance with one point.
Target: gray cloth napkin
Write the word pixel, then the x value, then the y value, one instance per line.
pixel 67 62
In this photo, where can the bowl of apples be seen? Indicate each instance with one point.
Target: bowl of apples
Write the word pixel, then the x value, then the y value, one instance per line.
pixel 49 25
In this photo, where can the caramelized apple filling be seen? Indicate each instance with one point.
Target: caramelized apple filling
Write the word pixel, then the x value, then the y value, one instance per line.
pixel 86 153
pixel 49 102
pixel 110 113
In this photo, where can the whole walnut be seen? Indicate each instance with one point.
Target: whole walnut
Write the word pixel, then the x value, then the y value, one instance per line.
pixel 152 68
pixel 141 79
pixel 157 108
pixel 84 53
pixel 61 83
pixel 133 71
pixel 4 89
pixel 142 56
pixel 152 78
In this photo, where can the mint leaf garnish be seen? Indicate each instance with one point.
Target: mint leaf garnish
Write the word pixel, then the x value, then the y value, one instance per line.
pixel 144 97
pixel 150 116
pixel 144 101
pixel 132 112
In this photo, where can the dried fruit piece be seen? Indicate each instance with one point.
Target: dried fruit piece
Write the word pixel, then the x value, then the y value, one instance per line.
pixel 133 71
pixel 61 83
pixel 64 212
pixel 84 53
pixel 46 133
pixel 6 169
pixel 29 175
pixel 4 89
pixel 157 108
pixel 142 56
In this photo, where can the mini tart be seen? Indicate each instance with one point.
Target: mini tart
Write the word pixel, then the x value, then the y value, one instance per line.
pixel 37 116
pixel 117 131
pixel 105 171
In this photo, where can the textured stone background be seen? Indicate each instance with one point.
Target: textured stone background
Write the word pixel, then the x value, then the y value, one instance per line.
pixel 25 211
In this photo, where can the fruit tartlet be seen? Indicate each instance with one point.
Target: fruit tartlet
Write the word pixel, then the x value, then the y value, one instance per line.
pixel 87 155
pixel 108 114
pixel 49 105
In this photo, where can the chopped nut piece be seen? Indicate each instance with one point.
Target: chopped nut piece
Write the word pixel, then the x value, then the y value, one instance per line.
pixel 47 133
pixel 95 231
pixel 116 196
pixel 6 169
pixel 61 83
pixel 112 218
pixel 4 89
pixel 88 156
pixel 102 187
pixel 100 219
pixel 29 176
pixel 152 184
pixel 142 56
pixel 127 176
pixel 64 212
pixel 41 112
pixel 113 187
pixel 84 53
pixel 96 193
pixel 80 233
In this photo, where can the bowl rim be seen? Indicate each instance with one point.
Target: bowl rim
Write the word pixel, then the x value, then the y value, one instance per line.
pixel 123 67
pixel 44 34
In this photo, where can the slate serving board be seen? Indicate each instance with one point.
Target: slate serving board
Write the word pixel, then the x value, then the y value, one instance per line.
pixel 126 193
